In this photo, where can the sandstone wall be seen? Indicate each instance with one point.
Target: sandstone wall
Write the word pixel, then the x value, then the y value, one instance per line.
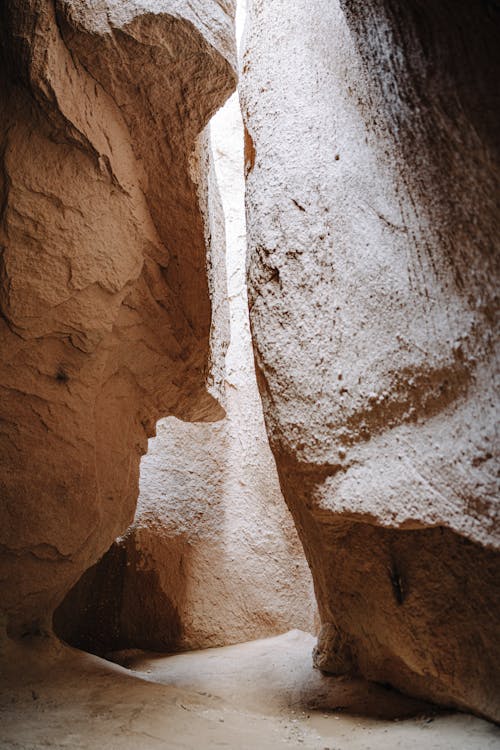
pixel 212 556
pixel 105 279
pixel 372 159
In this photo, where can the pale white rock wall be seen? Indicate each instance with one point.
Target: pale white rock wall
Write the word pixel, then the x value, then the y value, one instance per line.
pixel 372 160
pixel 358 318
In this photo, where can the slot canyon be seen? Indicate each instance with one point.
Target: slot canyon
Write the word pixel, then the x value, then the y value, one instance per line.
pixel 249 467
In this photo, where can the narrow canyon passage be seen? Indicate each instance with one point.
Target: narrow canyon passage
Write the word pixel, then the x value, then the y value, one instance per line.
pixel 213 557
pixel 248 325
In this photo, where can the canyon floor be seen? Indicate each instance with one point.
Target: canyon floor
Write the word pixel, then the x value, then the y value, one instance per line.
pixel 260 695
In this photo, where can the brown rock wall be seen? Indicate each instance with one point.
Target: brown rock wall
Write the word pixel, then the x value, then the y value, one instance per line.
pixel 105 309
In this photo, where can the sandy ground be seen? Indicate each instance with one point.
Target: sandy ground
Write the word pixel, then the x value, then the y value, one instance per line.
pixel 260 696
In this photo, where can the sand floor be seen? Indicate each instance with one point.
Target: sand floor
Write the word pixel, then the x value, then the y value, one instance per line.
pixel 260 696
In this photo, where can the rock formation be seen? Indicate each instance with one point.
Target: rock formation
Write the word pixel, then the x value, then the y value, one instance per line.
pixel 212 557
pixel 105 281
pixel 372 155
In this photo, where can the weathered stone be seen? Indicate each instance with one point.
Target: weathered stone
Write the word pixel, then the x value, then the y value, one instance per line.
pixel 372 154
pixel 104 277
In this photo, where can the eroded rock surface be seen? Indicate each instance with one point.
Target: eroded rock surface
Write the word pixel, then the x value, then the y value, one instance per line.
pixel 105 282
pixel 372 154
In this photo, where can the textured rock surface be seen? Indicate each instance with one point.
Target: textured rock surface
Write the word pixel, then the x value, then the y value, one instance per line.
pixel 373 270
pixel 213 556
pixel 104 293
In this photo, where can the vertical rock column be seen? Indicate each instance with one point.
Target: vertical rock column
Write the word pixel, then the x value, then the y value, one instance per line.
pixel 106 279
pixel 372 173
